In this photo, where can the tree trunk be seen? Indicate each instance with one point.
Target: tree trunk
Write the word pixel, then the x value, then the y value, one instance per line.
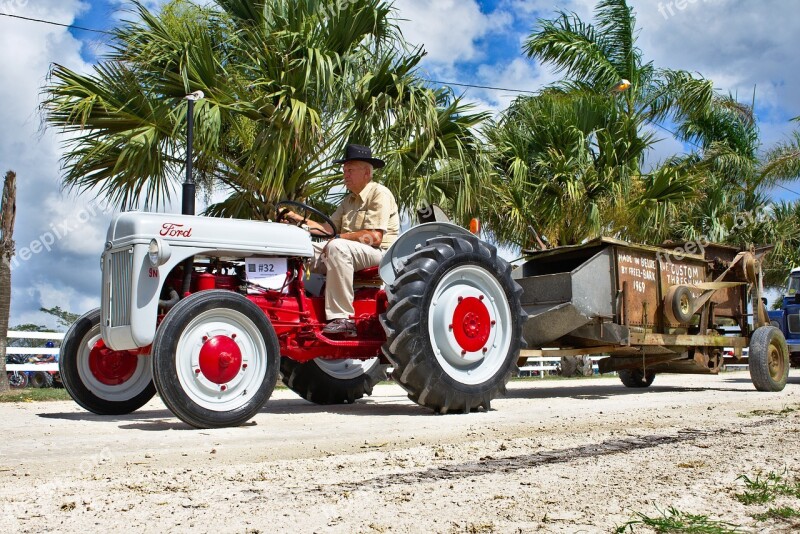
pixel 8 211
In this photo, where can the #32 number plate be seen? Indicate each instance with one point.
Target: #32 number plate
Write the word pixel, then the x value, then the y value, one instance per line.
pixel 269 273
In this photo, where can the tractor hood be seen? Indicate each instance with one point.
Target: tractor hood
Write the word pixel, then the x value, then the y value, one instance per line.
pixel 238 237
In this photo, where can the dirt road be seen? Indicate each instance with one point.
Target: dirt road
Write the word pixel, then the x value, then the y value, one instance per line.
pixel 554 456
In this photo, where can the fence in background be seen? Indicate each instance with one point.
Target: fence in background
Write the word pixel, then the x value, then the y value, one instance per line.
pixel 22 367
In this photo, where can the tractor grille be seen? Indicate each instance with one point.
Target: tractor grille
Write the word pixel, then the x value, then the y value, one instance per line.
pixel 119 297
pixel 794 323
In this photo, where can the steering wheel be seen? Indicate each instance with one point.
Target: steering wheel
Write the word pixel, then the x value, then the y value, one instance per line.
pixel 280 213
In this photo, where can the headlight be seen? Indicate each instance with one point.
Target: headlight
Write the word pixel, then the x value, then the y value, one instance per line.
pixel 158 252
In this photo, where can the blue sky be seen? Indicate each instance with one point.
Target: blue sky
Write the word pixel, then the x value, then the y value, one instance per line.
pixel 740 44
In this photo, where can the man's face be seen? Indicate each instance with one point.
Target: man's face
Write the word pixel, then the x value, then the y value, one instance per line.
pixel 357 175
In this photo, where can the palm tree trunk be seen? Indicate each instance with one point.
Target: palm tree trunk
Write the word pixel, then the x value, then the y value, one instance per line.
pixel 8 210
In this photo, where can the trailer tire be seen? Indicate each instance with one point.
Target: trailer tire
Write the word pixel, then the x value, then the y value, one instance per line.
pixel 105 382
pixel 768 359
pixel 454 324
pixel 678 305
pixel 215 359
pixel 636 378
pixel 332 381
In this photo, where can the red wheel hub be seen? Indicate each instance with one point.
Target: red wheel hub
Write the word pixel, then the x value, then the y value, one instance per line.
pixel 112 367
pixel 220 359
pixel 471 324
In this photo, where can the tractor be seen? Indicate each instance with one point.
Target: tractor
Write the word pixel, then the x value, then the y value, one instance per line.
pixel 209 312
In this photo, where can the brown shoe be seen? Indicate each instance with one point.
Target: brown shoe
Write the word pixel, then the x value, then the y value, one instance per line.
pixel 345 327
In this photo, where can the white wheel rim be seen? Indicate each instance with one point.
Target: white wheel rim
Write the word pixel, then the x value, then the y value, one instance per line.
pixel 469 281
pixel 129 389
pixel 241 388
pixel 346 369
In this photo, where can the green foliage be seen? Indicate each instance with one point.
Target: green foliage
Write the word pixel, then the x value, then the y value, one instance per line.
pixel 763 490
pixel 287 84
pixel 567 162
pixel 64 317
pixel 784 512
pixel 673 520
pixel 35 395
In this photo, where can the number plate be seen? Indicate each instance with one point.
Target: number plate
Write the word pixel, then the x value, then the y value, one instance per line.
pixel 269 273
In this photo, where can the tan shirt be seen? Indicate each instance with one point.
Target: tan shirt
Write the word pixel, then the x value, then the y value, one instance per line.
pixel 373 209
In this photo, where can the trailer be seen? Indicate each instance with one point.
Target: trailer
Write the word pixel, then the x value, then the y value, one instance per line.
pixel 652 309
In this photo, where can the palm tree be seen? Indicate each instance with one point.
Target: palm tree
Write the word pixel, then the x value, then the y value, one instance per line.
pixel 568 160
pixel 8 208
pixel 287 82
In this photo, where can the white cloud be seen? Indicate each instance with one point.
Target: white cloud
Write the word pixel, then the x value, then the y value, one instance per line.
pixel 740 45
pixel 34 156
pixel 448 29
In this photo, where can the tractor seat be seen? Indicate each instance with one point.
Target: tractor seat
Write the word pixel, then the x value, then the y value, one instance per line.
pixel 370 274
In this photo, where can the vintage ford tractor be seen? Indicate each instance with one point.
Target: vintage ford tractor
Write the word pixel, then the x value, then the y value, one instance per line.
pixel 209 312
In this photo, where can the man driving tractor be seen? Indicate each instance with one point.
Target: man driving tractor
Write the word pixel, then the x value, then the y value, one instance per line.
pixel 368 223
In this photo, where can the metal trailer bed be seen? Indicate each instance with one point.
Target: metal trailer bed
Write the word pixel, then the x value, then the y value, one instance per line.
pixel 652 309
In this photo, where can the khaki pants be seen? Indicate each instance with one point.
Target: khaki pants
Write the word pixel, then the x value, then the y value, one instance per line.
pixel 341 259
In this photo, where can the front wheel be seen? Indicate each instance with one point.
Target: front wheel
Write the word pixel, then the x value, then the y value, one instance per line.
pixel 332 381
pixel 101 380
pixel 768 359
pixel 454 324
pixel 215 359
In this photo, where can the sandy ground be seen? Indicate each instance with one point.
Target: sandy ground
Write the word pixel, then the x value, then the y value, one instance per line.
pixel 553 456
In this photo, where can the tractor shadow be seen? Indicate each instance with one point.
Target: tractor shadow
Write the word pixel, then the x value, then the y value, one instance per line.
pixel 596 392
pixel 159 420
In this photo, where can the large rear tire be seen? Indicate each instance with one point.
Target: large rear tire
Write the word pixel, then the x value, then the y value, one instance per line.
pixel 215 359
pixel 768 359
pixel 454 324
pixel 332 381
pixel 101 380
pixel 636 378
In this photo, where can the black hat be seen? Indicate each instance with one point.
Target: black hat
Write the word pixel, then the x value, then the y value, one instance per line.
pixel 360 153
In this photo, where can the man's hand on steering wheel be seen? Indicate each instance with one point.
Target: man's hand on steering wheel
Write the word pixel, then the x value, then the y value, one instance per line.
pixel 317 229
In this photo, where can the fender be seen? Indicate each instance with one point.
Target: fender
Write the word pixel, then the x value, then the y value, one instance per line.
pixel 404 246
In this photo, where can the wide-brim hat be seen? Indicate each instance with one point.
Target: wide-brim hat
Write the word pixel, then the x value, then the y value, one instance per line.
pixel 360 153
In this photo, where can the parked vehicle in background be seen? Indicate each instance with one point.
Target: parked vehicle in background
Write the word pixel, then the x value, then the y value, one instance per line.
pixel 787 319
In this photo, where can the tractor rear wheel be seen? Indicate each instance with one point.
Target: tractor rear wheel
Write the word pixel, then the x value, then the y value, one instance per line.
pixel 215 359
pixel 768 359
pixel 454 324
pixel 332 381
pixel 101 380
pixel 636 378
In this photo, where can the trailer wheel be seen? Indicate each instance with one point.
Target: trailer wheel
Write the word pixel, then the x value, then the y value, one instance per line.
pixel 454 324
pixel 332 381
pixel 636 378
pixel 768 359
pixel 678 305
pixel 215 359
pixel 101 380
